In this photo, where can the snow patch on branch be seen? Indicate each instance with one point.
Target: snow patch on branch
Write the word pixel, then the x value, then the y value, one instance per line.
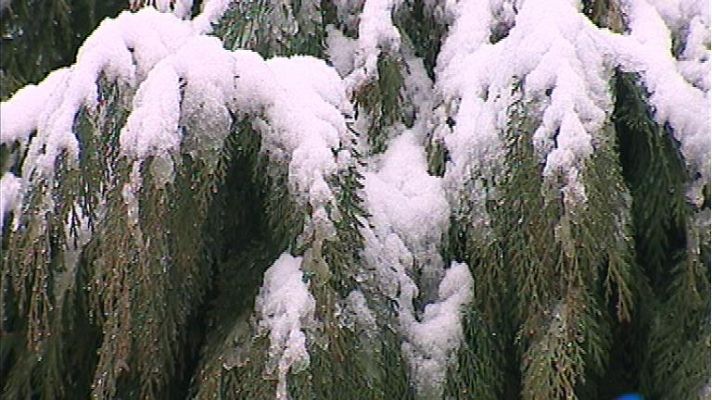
pixel 409 216
pixel 403 198
pixel 156 109
pixel 463 71
pixel 10 195
pixel 678 13
pixel 564 64
pixel 689 22
pixel 376 35
pixel 21 113
pixel 551 52
pixel 558 56
pixel 298 104
pixel 212 11
pixel 305 104
pixel 433 341
pixel 122 50
pixel 285 308
pixel 177 88
pixel 341 50
pixel 686 108
pixel 694 61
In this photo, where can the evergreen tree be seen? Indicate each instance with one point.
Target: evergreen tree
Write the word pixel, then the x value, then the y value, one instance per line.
pixel 377 199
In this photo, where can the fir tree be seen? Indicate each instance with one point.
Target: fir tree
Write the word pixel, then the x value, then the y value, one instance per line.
pixel 379 199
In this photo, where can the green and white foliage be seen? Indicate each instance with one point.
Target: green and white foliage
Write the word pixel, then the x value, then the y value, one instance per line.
pixel 363 199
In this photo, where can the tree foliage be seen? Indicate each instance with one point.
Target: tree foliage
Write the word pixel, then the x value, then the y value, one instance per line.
pixel 472 199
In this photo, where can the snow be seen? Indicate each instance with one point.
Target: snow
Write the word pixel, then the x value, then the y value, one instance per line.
pixel 357 308
pixel 211 12
pixel 376 35
pixel 470 29
pixel 298 104
pixel 562 73
pixel 301 100
pixel 10 195
pixel 694 62
pixel 206 96
pixel 434 340
pixel 646 50
pixel 285 308
pixel 153 127
pixel 341 50
pixel 181 8
pixel 156 110
pixel 376 30
pixel 305 107
pixel 461 82
pixel 122 50
pixel 417 91
pixel 404 198
pixel 133 43
pixel 689 22
pixel 410 214
pixel 676 13
pixel 554 53
pixel 20 114
pixel 565 64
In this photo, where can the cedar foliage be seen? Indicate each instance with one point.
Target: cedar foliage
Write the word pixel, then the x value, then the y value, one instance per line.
pixel 570 301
